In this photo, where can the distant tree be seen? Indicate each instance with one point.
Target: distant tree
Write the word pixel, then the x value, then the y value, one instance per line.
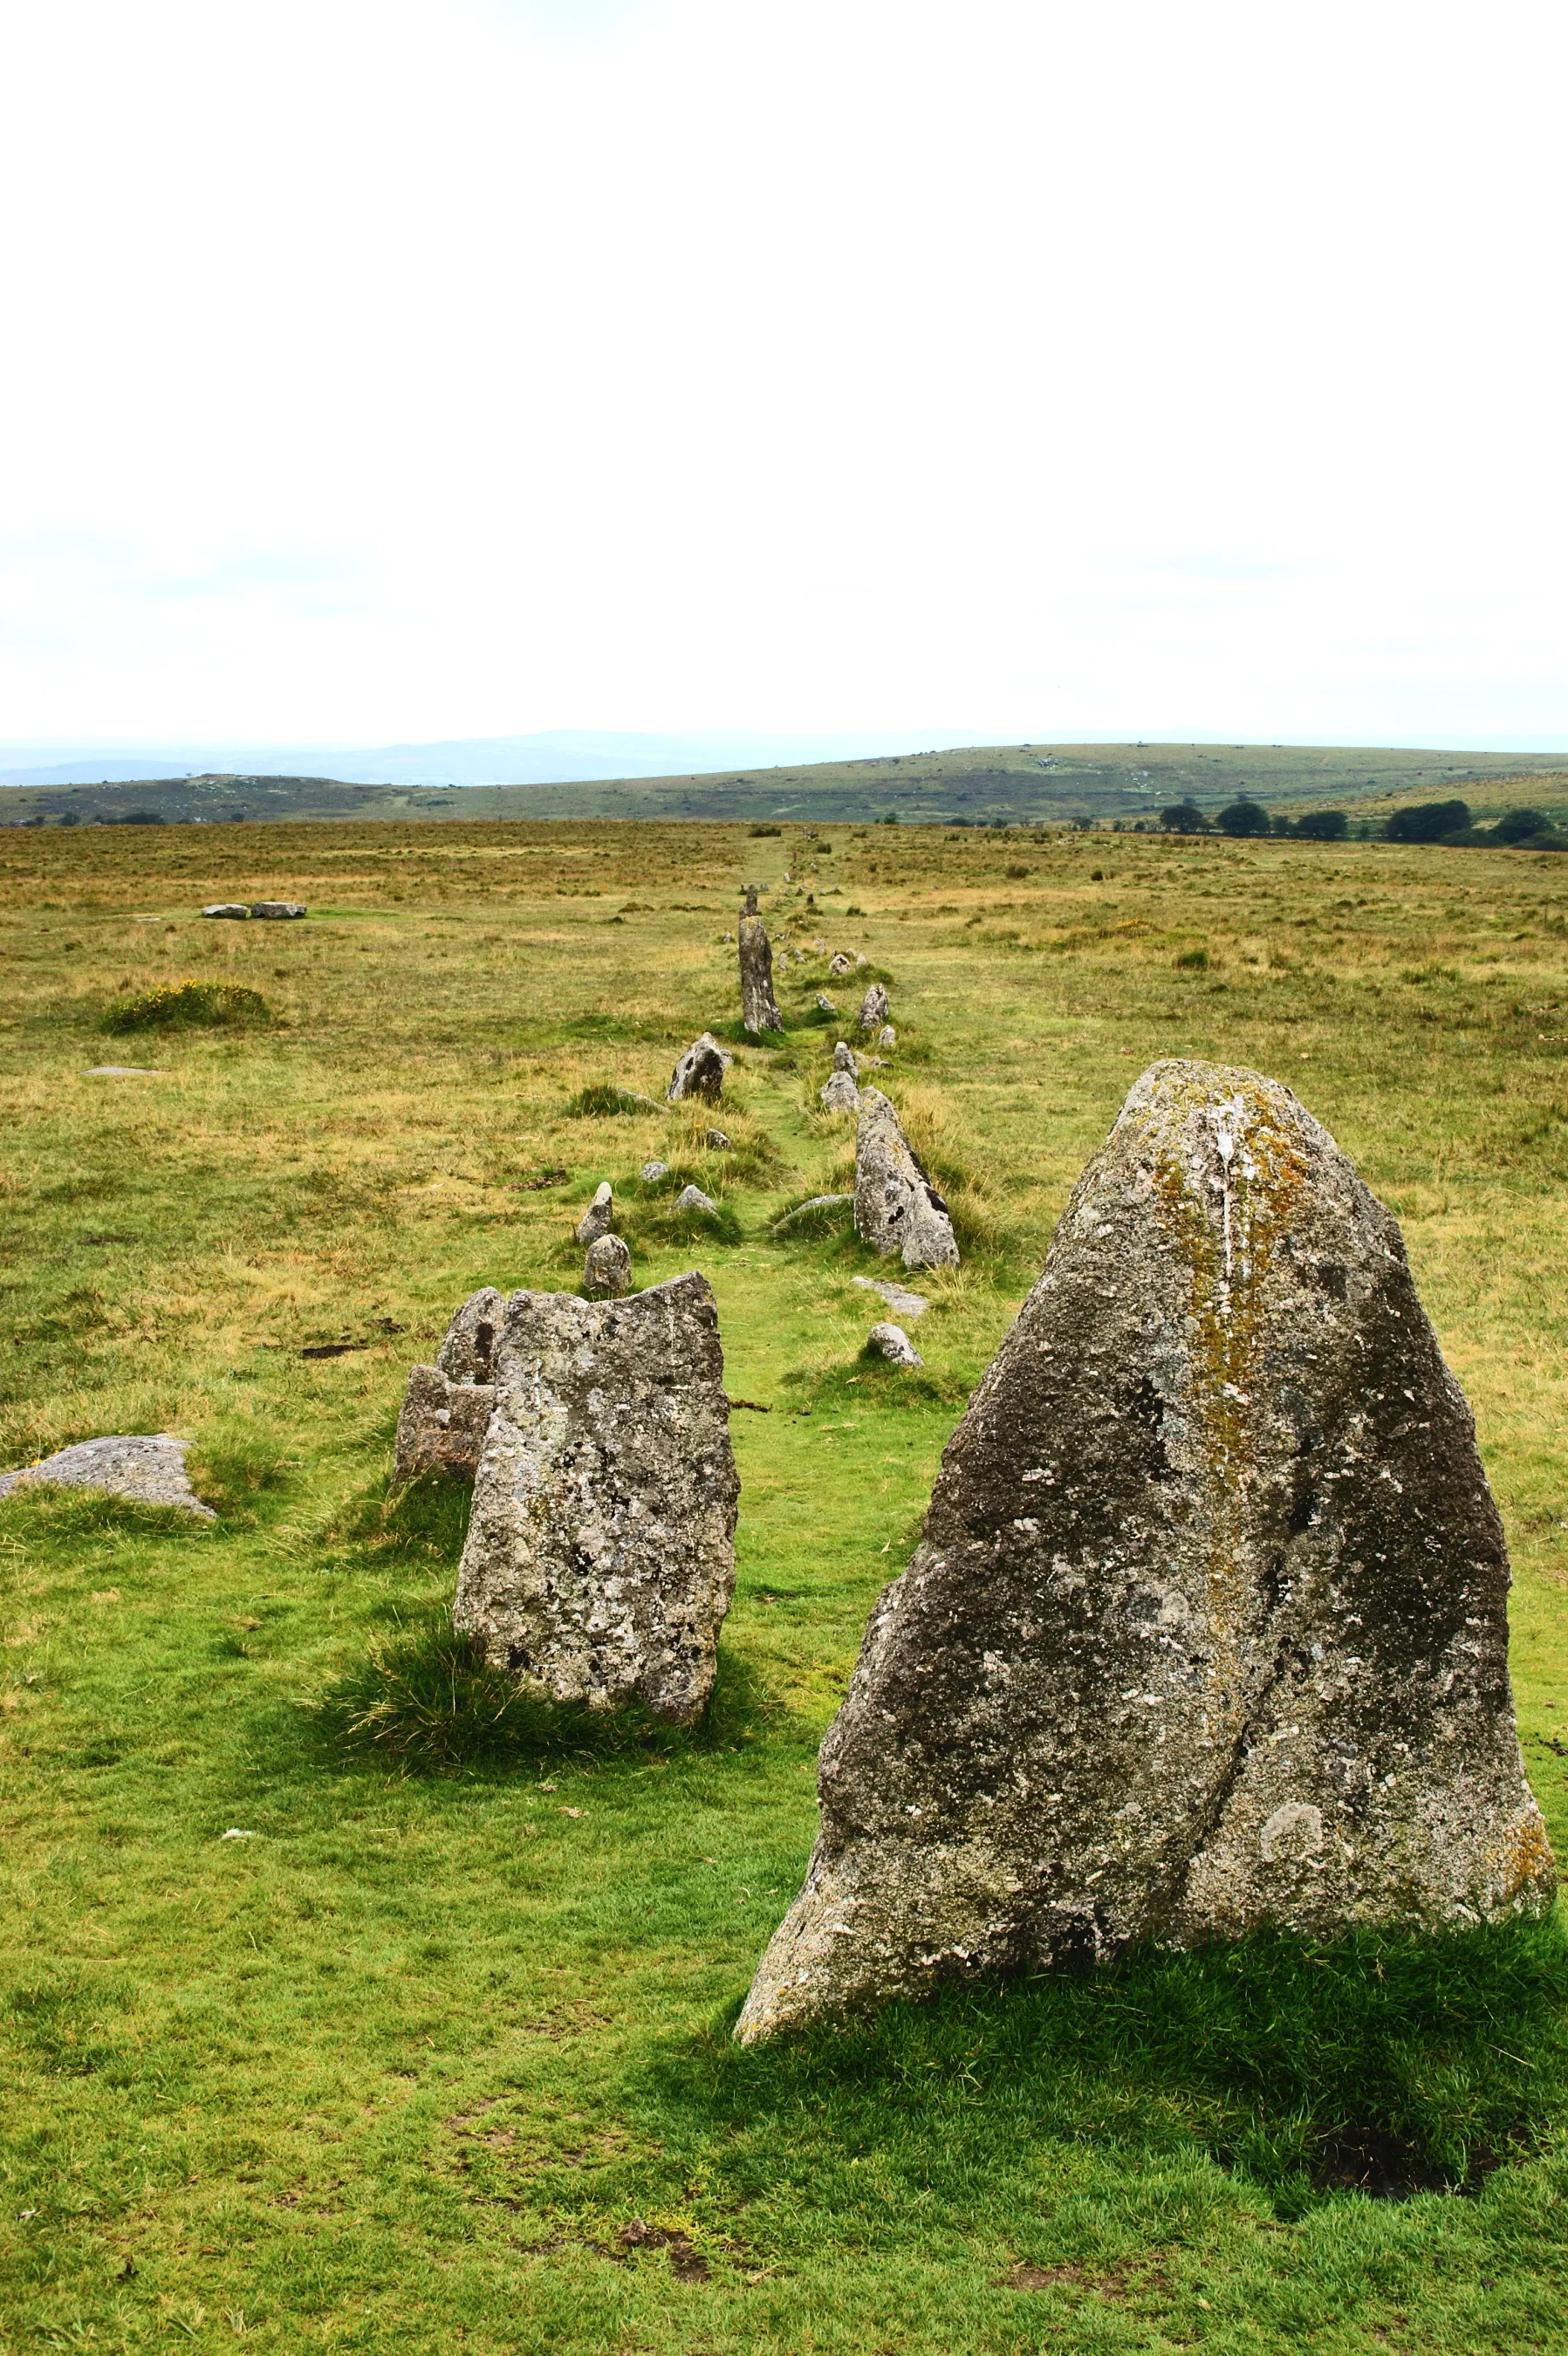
pixel 1428 821
pixel 1518 826
pixel 891 818
pixel 1322 826
pixel 1243 817
pixel 69 817
pixel 143 818
pixel 1184 817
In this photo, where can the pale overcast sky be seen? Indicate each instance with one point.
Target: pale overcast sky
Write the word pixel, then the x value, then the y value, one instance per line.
pixel 381 369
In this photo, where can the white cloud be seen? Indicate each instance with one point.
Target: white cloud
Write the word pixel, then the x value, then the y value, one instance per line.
pixel 443 367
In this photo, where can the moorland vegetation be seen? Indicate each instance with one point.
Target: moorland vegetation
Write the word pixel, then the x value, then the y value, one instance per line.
pixel 349 2003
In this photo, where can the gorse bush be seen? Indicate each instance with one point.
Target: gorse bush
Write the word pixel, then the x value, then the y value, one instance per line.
pixel 189 1005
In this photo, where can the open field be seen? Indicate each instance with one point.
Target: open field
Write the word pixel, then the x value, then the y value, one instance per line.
pixel 402 2070
pixel 983 784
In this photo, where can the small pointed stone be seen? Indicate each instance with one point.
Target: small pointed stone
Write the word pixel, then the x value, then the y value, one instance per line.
pixel 466 1356
pixel 600 1215
pixel 691 1198
pixel 825 1005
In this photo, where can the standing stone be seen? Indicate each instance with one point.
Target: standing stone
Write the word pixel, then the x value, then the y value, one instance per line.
pixel 758 1007
pixel 651 1172
pixel 717 1142
pixel 606 1269
pixel 700 1072
pixel 897 1208
pixel 691 1198
pixel 888 1037
pixel 442 1426
pixel 842 1091
pixel 468 1353
pixel 599 1217
pixel 825 1005
pixel 228 908
pixel 600 1556
pixel 840 964
pixel 891 1342
pixel 1207 1629
pixel 874 1008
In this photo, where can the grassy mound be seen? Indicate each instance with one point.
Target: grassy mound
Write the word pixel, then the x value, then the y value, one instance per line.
pixel 189 1005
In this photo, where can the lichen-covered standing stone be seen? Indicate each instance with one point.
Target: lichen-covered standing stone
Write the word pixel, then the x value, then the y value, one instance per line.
pixel 841 1090
pixel 606 1269
pixel 758 1007
pixel 874 1008
pixel 599 1218
pixel 1207 1629
pixel 600 1556
pixel 441 1425
pixel 897 1208
pixel 700 1071
pixel 468 1353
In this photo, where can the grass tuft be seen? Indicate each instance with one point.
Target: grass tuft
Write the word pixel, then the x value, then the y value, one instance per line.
pixel 189 1005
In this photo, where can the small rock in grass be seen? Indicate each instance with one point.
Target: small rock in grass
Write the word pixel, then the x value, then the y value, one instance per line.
pixel 888 1037
pixel 651 1172
pixel 607 1270
pixel 700 1072
pixel 810 1213
pixel 600 1215
pixel 825 1005
pixel 840 1092
pixel 840 963
pixel 897 1208
pixel 899 1299
pixel 237 908
pixel 891 1342
pixel 716 1142
pixel 125 1072
pixel 148 1467
pixel 874 1008
pixel 691 1198
pixel 600 1555
pixel 441 1427
pixel 277 908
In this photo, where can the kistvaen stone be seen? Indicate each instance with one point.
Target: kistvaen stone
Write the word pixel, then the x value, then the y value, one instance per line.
pixel 1208 1627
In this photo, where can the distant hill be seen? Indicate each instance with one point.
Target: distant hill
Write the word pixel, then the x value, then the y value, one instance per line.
pixel 1018 784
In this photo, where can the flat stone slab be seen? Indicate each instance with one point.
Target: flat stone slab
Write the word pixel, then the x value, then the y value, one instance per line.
pixel 600 1557
pixel 149 1467
pixel 902 1302
pixel 1206 1632
pixel 125 1072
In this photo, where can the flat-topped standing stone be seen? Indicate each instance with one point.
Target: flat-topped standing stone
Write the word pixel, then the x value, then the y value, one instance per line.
pixel 758 1007
pixel 600 1557
pixel 599 1217
pixel 1208 1627
pixel 874 1008
pixel 897 1208
pixel 606 1269
pixel 700 1072
pixel 148 1467
pixel 468 1353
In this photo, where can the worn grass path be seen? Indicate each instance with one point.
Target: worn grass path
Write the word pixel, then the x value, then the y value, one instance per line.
pixel 409 2066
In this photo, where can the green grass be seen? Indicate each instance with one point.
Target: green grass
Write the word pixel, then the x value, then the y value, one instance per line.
pixel 437 2057
pixel 188 1005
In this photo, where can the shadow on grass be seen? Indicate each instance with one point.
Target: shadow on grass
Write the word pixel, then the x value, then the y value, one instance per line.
pixel 424 1702
pixel 1389 2066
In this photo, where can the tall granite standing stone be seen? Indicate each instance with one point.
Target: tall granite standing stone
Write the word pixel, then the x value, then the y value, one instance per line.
pixel 599 1218
pixel 600 1556
pixel 758 1007
pixel 874 1008
pixel 700 1072
pixel 1208 1627
pixel 897 1208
